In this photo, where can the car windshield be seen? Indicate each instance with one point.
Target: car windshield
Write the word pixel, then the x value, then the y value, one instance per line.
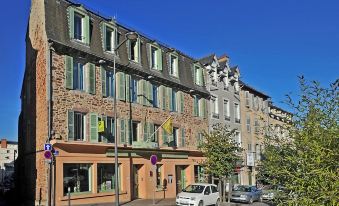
pixel 194 189
pixel 243 189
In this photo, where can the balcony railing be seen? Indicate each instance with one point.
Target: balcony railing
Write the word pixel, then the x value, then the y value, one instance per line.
pixel 215 115
pixel 227 118
pixel 237 120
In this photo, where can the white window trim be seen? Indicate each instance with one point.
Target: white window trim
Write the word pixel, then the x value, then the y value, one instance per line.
pixel 114 37
pixel 228 107
pixel 176 68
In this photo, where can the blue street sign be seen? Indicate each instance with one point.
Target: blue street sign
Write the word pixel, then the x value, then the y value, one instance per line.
pixel 47 147
pixel 56 152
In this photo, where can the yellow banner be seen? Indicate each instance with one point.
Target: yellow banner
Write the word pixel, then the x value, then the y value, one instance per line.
pixel 168 125
pixel 101 126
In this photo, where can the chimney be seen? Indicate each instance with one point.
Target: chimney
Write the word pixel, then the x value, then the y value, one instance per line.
pixel 223 58
pixel 3 143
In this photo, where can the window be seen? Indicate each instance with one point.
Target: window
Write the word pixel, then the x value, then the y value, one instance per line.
pixel 183 137
pixel 198 174
pixel 174 65
pixel 155 90
pixel 109 37
pixel 249 147
pixel 134 91
pixel 134 50
pixel 198 76
pixel 237 112
pixel 106 177
pixel 107 136
pixel 257 152
pixel 159 175
pixel 78 76
pixel 77 178
pixel 155 137
pixel 227 110
pixel 199 107
pixel 200 138
pixel 207 190
pixel 248 123
pixel 79 25
pixel 215 79
pixel 76 126
pixel 247 97
pixel 256 126
pixel 175 137
pixel 155 58
pixel 135 131
pixel 214 107
pixel 110 83
pixel 174 101
pixel 237 138
pixel 214 189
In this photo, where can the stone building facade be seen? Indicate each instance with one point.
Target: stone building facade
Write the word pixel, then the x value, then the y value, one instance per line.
pixel 254 122
pixel 67 94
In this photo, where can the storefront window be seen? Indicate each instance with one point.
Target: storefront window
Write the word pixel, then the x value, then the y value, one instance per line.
pixel 199 174
pixel 106 177
pixel 77 177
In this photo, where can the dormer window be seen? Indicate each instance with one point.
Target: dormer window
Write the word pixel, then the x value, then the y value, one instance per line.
pixel 174 71
pixel 155 57
pixel 198 75
pixel 79 25
pixel 109 37
pixel 134 50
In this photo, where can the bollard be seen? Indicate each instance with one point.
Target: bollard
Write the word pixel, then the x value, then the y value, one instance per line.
pixel 69 196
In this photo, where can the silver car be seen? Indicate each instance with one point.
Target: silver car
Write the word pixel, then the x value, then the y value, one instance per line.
pixel 246 193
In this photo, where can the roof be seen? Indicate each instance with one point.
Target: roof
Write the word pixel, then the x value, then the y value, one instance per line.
pixel 252 89
pixel 57 32
pixel 207 60
pixel 278 108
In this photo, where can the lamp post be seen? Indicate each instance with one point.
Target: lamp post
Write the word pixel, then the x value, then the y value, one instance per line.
pixel 132 36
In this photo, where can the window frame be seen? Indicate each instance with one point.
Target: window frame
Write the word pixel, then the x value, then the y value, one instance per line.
pixel 227 112
pixel 138 44
pixel 90 177
pixel 174 72
pixel 114 37
pixel 84 128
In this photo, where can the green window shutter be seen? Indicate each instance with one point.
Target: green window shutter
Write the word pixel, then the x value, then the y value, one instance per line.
pixel 121 90
pixel 151 130
pixel 140 91
pixel 122 131
pixel 144 92
pixel 93 118
pixel 69 71
pixel 128 131
pixel 86 30
pixel 205 108
pixel 164 99
pixel 103 81
pixel 105 133
pixel 92 78
pixel 128 44
pixel 71 22
pixel 145 131
pixel 137 52
pixel 181 102
pixel 70 125
pixel 128 88
pixel 164 137
pixel 150 94
pixel 170 99
pixel 103 30
pixel 183 139
pixel 159 59
pixel 195 106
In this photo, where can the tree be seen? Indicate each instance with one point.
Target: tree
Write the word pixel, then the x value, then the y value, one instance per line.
pixel 306 162
pixel 221 151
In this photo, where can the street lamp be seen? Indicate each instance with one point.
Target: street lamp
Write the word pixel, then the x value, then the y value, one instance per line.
pixel 132 36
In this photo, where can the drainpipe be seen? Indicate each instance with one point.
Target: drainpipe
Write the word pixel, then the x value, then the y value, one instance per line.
pixel 49 99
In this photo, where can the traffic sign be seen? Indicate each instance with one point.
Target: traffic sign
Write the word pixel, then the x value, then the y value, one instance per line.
pixel 154 159
pixel 48 154
pixel 47 147
pixel 56 152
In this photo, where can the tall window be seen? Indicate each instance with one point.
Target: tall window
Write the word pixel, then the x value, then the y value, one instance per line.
pixel 135 131
pixel 134 90
pixel 78 26
pixel 78 76
pixel 196 106
pixel 106 177
pixel 248 123
pixel 175 136
pixel 174 101
pixel 174 65
pixel 79 126
pixel 155 137
pixel 159 175
pixel 214 107
pixel 226 109
pixel 110 39
pixel 236 112
pixel 237 138
pixel 110 83
pixel 77 177
pixel 198 76
pixel 155 91
pixel 154 58
pixel 134 50
pixel 108 134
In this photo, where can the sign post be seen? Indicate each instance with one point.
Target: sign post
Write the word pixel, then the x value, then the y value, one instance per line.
pixel 154 160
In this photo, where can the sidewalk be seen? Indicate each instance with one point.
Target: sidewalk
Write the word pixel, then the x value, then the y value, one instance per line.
pixel 142 202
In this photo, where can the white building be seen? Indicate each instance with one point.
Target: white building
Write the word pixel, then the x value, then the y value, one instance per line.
pixel 8 153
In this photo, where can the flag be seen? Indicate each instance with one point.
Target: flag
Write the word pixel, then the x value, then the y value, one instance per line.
pixel 168 125
pixel 101 126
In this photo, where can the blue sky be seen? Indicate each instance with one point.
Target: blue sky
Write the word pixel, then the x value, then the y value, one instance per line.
pixel 272 41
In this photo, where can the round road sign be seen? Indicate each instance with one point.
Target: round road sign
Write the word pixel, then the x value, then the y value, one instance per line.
pixel 154 159
pixel 48 154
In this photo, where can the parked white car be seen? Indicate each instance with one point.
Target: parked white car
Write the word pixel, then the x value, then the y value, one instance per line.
pixel 199 194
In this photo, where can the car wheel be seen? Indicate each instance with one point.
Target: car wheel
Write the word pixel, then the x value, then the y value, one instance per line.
pixel 201 203
pixel 218 202
pixel 250 201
